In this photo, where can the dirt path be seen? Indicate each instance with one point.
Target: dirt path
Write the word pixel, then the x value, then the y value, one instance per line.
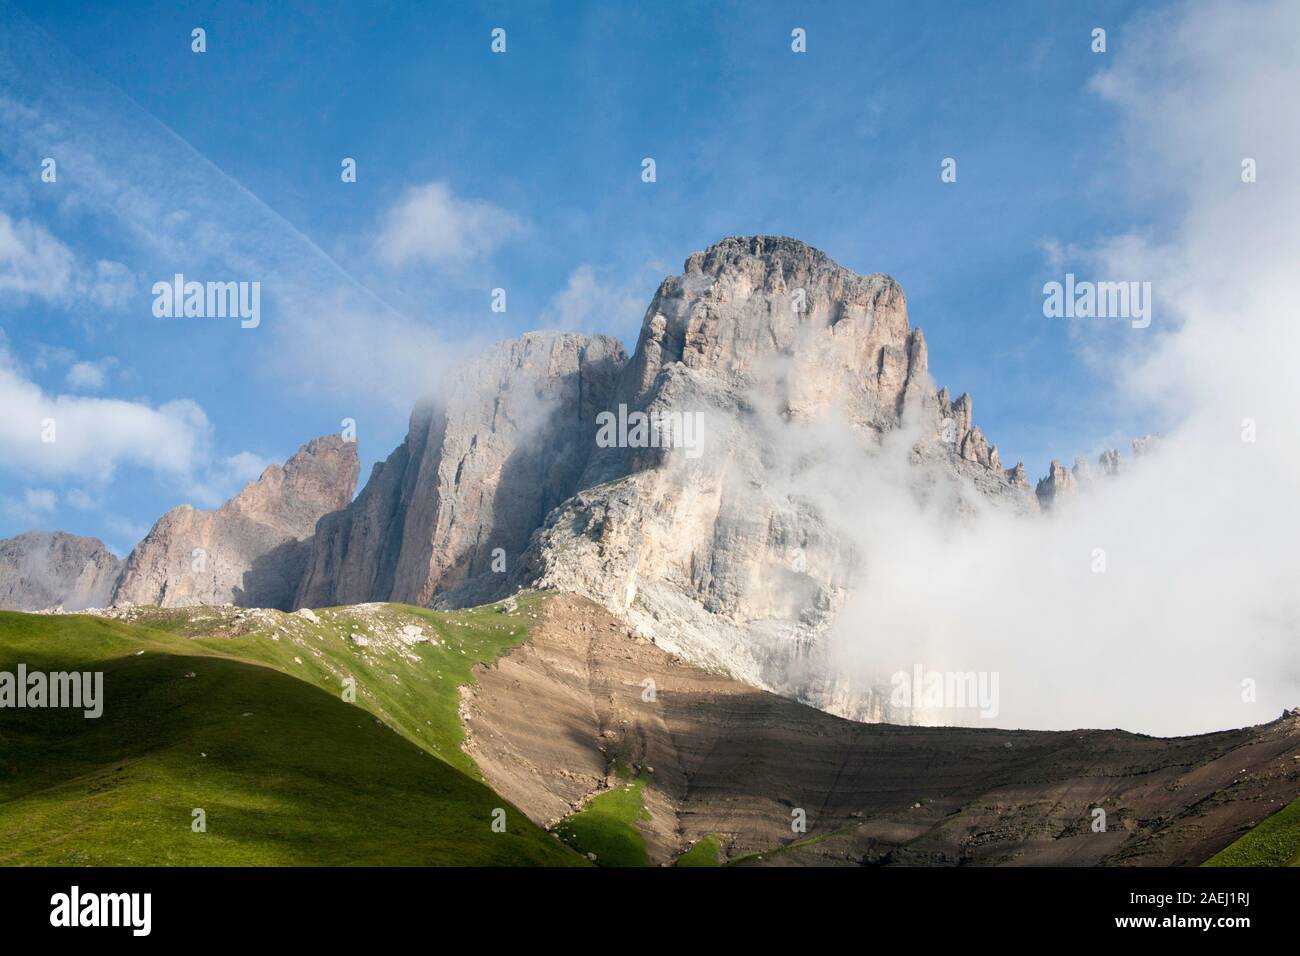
pixel 546 723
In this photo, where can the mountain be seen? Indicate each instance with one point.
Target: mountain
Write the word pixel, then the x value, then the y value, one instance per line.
pixel 693 489
pixel 713 490
pixel 673 488
pixel 252 550
pixel 46 569
pixel 806 379
pixel 482 465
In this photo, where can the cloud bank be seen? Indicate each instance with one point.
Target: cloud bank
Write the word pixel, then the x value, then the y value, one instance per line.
pixel 1192 622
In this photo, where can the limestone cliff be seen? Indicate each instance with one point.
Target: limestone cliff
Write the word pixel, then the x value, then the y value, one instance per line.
pixel 736 556
pixel 482 464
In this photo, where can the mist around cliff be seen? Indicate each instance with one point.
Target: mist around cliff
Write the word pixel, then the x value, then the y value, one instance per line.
pixel 1166 599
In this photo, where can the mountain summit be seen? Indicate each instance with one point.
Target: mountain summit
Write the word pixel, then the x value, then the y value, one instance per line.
pixel 252 549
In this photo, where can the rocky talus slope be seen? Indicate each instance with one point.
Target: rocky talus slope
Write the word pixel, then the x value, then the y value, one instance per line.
pixel 47 569
pixel 252 550
pixel 548 722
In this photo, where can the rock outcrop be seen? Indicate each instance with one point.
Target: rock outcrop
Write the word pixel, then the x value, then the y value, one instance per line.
pixel 451 510
pixel 1059 484
pixel 1056 484
pixel 40 570
pixel 252 550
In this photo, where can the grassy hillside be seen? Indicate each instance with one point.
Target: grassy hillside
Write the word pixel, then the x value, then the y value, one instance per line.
pixel 241 714
pixel 1274 842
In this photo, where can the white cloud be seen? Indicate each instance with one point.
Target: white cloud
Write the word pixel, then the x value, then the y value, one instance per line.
pixel 36 265
pixel 93 436
pixel 109 285
pixel 80 500
pixel 431 225
pixel 33 263
pixel 35 505
pixel 1201 538
pixel 89 376
pixel 41 499
pixel 589 304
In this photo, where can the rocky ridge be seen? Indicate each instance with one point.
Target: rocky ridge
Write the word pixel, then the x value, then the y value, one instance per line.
pixel 251 550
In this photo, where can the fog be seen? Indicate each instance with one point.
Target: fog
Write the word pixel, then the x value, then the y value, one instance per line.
pixel 1193 622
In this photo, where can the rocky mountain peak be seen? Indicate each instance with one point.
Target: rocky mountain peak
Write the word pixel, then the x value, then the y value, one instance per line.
pixel 252 549
pixel 779 255
pixel 720 556
pixel 771 318
pixel 322 474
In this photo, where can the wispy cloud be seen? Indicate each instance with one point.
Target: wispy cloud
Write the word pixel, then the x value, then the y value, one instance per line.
pixel 36 265
pixel 32 262
pixel 86 376
pixel 432 225
pixel 174 211
pixel 84 439
pixel 33 507
pixel 1155 600
pixel 591 302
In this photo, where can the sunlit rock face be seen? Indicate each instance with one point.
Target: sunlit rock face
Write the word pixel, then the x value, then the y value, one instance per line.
pixel 251 551
pixel 731 548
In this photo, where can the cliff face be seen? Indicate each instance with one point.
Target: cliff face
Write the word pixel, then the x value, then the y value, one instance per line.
pixel 251 551
pixel 733 553
pixel 775 312
pixel 48 569
pixel 452 509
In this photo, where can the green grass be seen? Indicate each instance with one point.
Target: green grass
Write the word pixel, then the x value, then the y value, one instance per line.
pixel 1274 842
pixel 707 851
pixel 607 825
pixel 285 770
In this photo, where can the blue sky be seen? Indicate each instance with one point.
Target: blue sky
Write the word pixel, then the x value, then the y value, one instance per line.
pixel 521 171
